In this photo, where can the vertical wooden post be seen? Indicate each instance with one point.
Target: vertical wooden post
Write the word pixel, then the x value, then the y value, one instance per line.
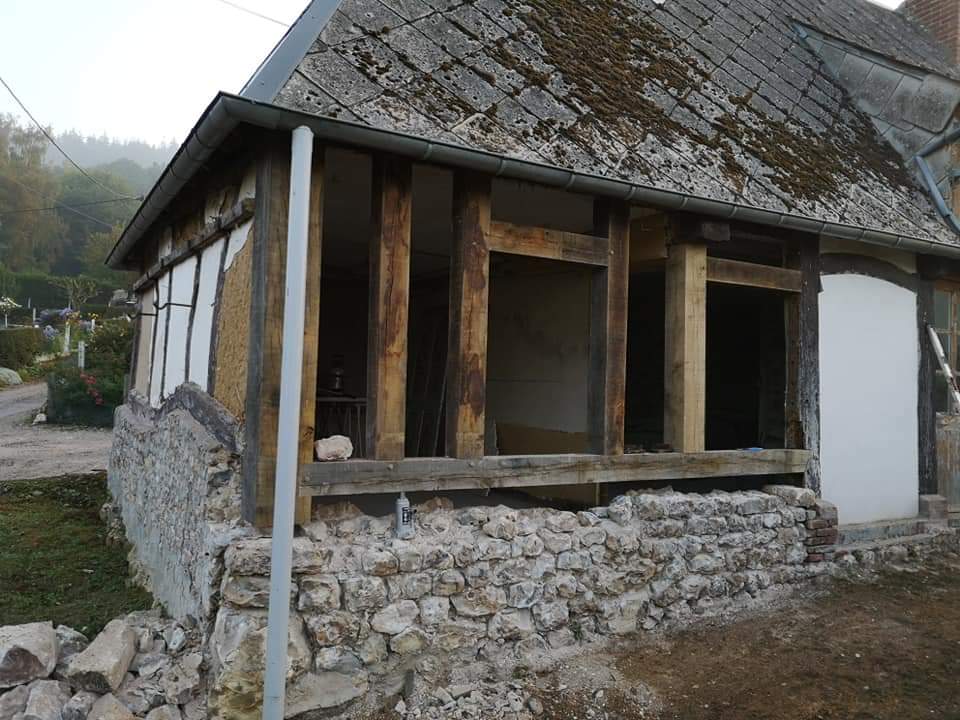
pixel 389 299
pixel 685 340
pixel 926 409
pixel 311 324
pixel 606 388
pixel 802 334
pixel 266 331
pixel 467 336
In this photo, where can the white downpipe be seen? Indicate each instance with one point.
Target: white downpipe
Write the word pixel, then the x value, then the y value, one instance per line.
pixel 288 430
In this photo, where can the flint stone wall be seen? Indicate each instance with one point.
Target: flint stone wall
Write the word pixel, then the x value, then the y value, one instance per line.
pixel 500 586
pixel 174 476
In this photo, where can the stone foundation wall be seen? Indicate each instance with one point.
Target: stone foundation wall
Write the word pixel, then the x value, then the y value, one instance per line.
pixel 493 588
pixel 174 478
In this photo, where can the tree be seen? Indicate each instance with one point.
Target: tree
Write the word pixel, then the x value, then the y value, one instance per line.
pixel 8 282
pixel 94 255
pixel 79 289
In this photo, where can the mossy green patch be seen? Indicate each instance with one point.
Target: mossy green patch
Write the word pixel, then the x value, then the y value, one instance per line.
pixel 55 563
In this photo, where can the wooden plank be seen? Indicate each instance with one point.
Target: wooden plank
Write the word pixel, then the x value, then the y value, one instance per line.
pixel 311 325
pixel 550 244
pixel 388 308
pixel 467 335
pixel 685 343
pixel 735 272
pixel 686 228
pixel 514 471
pixel 606 385
pixel 926 412
pixel 802 333
pixel 266 333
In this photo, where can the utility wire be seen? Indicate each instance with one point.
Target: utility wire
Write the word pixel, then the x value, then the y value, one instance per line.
pixel 254 13
pixel 57 146
pixel 58 207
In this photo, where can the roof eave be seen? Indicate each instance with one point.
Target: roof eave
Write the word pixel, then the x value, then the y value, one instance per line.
pixel 228 111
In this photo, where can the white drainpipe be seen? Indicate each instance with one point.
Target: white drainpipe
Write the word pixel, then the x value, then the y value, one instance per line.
pixel 288 430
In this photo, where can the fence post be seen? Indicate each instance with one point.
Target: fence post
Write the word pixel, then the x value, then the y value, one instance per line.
pixel 81 355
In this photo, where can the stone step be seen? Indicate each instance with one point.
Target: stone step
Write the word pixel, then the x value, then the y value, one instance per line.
pixel 916 539
pixel 875 531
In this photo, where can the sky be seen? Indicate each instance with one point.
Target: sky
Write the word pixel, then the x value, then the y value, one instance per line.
pixel 134 69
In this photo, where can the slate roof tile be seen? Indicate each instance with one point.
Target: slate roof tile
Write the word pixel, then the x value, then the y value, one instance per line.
pixel 717 98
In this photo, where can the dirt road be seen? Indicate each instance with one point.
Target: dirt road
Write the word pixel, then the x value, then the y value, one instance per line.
pixel 36 451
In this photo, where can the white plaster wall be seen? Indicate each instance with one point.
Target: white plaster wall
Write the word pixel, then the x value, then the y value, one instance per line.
pixel 906 261
pixel 538 348
pixel 202 331
pixel 145 341
pixel 159 339
pixel 868 398
pixel 181 298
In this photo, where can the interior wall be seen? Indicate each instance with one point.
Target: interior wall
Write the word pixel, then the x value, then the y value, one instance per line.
pixel 868 398
pixel 538 347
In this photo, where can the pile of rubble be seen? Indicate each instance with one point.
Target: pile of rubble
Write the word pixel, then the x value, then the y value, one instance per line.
pixel 139 666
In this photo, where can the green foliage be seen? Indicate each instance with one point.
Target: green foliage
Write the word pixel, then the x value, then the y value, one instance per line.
pixel 8 282
pixel 79 289
pixel 89 397
pixel 19 346
pixel 51 237
pixel 82 582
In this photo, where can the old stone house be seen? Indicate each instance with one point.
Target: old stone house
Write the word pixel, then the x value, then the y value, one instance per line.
pixel 557 255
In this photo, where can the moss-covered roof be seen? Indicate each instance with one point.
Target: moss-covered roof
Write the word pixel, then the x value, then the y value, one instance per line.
pixel 722 100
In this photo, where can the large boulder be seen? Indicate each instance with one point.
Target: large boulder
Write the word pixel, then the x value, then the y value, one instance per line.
pixel 109 708
pixel 27 652
pixel 13 702
pixel 46 701
pixel 9 377
pixel 102 666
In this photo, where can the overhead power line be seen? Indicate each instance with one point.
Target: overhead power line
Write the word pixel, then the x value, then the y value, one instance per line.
pixel 57 146
pixel 254 13
pixel 58 207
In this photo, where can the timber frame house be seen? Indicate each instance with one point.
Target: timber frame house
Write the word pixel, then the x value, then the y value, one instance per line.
pixel 473 137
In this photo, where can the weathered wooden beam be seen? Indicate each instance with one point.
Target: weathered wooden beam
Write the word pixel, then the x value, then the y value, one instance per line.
pixel 606 384
pixel 388 308
pixel 354 477
pixel 469 297
pixel 684 379
pixel 237 215
pixel 926 409
pixel 735 272
pixel 311 324
pixel 550 244
pixel 802 336
pixel 268 270
pixel 261 414
pixel 698 230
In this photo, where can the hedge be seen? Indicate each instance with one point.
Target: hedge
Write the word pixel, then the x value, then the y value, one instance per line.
pixel 19 347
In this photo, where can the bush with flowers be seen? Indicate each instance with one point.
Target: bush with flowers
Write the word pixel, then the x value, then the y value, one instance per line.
pixel 89 396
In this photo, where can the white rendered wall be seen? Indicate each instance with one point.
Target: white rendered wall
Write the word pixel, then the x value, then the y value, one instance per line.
pixel 868 398
pixel 181 300
pixel 145 341
pixel 202 330
pixel 159 339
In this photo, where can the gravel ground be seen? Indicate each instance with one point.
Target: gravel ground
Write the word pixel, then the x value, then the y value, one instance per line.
pixel 37 451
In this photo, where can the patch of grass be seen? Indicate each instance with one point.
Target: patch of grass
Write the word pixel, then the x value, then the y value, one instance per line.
pixel 55 563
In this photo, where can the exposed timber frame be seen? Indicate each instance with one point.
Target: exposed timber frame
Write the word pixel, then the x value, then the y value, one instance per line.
pixel 266 331
pixel 358 477
pixel 684 367
pixel 388 309
pixel 469 300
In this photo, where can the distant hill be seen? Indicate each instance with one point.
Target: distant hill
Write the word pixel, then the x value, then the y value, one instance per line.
pixel 136 161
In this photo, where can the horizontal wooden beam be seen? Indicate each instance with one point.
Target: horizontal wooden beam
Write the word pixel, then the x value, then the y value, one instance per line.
pixel 356 477
pixel 550 244
pixel 236 215
pixel 769 277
